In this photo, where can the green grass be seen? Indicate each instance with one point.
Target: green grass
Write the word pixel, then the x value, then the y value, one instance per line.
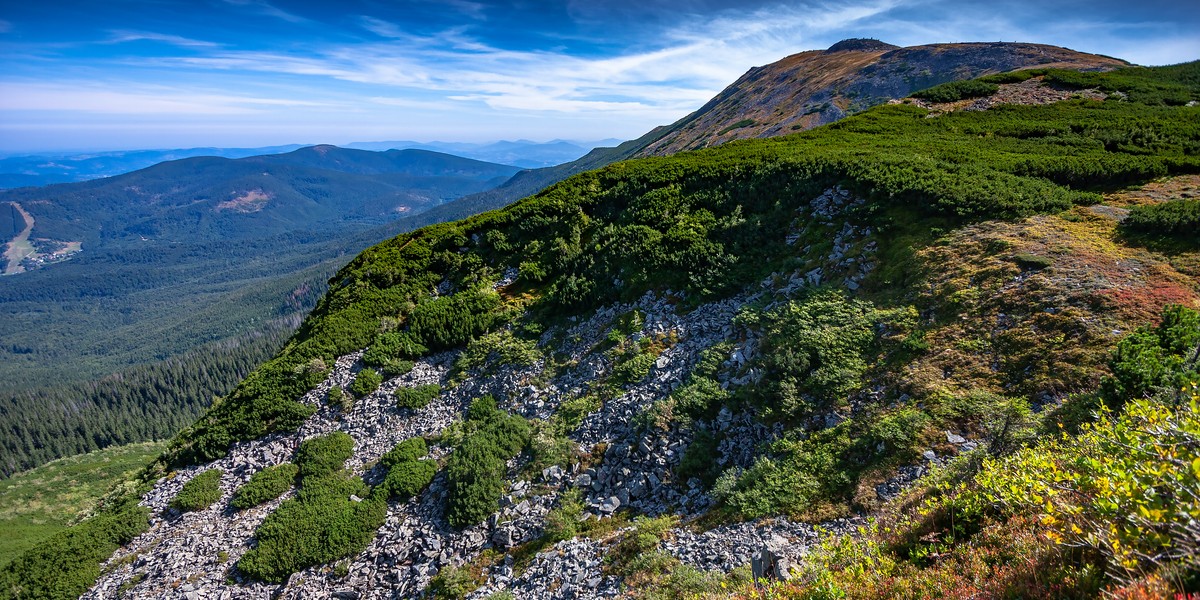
pixel 38 503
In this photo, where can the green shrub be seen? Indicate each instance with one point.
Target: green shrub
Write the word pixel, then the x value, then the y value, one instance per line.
pixel 393 346
pixel 958 90
pixel 476 469
pixel 418 397
pixel 1174 217
pixel 572 411
pixel 452 583
pixel 324 455
pixel 562 522
pixel 320 525
pixel 699 459
pixel 267 484
pixel 495 350
pixel 199 492
pixel 701 398
pixel 336 396
pixel 633 369
pixel 406 479
pixel 815 350
pixel 68 563
pixel 451 321
pixel 409 450
pixel 365 382
pixel 1153 359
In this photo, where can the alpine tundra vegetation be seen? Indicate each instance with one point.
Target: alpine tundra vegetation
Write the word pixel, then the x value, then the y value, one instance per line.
pixel 945 347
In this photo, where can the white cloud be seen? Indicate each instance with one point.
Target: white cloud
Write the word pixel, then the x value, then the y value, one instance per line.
pixel 81 97
pixel 120 36
pixel 266 8
pixel 685 68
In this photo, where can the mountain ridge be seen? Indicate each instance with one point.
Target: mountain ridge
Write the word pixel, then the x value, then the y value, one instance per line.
pixel 731 114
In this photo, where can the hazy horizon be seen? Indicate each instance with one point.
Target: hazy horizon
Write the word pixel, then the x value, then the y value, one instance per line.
pixel 140 74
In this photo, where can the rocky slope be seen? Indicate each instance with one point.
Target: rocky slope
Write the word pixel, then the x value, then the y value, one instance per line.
pixel 813 88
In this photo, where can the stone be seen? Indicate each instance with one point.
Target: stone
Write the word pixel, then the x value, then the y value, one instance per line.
pixel 955 439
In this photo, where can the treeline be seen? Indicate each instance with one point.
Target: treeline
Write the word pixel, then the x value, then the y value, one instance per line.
pixel 142 403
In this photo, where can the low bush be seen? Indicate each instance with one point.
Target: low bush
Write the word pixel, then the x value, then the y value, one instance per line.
pixel 816 350
pixel 1174 217
pixel 451 321
pixel 633 369
pixel 475 472
pixel 407 479
pixel 418 397
pixel 331 517
pixel 393 346
pixel 409 450
pixel 562 522
pixel 1152 359
pixel 495 350
pixel 267 484
pixel 407 472
pixel 699 459
pixel 68 563
pixel 365 382
pixel 336 396
pixel 324 455
pixel 958 90
pixel 199 492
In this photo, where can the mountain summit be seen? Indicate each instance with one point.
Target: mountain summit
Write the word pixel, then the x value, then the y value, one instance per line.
pixel 813 88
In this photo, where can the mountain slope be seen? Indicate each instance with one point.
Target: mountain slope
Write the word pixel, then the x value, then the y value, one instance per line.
pixel 813 88
pixel 634 380
pixel 208 198
pixel 806 90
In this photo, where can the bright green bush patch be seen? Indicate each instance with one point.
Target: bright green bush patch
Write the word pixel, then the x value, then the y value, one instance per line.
pixel 407 479
pixel 267 484
pixel 1174 217
pixel 451 321
pixel 199 492
pixel 68 563
pixel 336 396
pixel 324 455
pixel 476 470
pixel 1153 359
pixel 365 382
pixel 393 346
pixel 409 450
pixel 418 397
pixel 320 525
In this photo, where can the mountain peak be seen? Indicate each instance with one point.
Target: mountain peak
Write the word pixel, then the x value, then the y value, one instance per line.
pixel 861 45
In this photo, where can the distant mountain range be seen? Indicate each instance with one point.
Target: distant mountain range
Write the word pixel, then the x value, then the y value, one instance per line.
pixel 159 260
pixel 68 167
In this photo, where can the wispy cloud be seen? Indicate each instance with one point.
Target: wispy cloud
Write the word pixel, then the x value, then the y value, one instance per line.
pixel 689 64
pixel 380 27
pixel 120 36
pixel 266 8
pixel 83 97
pixel 5 26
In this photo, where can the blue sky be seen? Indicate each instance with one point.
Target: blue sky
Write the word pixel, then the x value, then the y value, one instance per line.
pixel 159 73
